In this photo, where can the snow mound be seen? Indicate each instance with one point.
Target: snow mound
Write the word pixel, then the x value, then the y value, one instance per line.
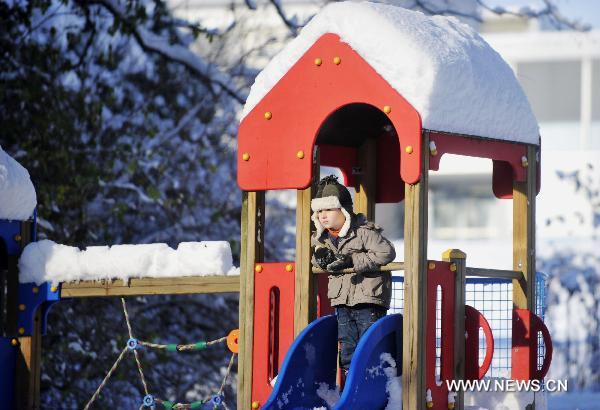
pixel 17 195
pixel 442 67
pixel 47 261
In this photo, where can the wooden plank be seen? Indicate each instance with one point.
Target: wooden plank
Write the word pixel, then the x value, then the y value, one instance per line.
pixel 151 286
pixel 252 251
pixel 495 273
pixel 385 268
pixel 364 200
pixel 415 287
pixel 458 258
pixel 305 307
pixel 524 234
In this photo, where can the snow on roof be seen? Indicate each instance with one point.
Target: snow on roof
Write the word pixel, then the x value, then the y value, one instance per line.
pixel 17 195
pixel 47 261
pixel 442 67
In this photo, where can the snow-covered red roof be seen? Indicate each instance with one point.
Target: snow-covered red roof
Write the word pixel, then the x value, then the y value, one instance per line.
pixel 17 195
pixel 442 67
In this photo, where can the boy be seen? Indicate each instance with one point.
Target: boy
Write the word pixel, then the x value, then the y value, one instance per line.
pixel 344 240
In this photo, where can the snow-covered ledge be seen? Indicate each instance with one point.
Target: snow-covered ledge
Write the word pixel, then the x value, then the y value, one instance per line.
pixel 47 261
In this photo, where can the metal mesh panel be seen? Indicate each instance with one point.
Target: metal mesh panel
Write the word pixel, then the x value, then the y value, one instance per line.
pixel 493 298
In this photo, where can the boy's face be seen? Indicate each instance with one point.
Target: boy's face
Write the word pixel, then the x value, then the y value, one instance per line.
pixel 332 218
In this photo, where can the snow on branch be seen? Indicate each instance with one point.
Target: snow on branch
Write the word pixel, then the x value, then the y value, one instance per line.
pixel 210 75
pixel 549 10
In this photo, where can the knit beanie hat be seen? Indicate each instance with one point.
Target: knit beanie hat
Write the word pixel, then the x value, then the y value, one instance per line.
pixel 331 195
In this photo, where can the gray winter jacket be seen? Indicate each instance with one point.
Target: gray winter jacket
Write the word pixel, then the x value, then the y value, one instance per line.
pixel 369 250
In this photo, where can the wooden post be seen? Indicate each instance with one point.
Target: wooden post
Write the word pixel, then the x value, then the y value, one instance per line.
pixel 458 259
pixel 364 201
pixel 252 251
pixel 28 370
pixel 305 307
pixel 415 287
pixel 524 234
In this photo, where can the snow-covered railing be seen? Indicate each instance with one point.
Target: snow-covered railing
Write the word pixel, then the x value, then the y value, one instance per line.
pixel 119 270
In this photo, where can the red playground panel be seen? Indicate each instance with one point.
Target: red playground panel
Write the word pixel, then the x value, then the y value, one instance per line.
pixel 274 285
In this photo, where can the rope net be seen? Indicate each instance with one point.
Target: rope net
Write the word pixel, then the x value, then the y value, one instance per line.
pixel 149 401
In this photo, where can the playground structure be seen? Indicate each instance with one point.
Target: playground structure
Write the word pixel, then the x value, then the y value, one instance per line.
pixel 346 115
pixel 343 115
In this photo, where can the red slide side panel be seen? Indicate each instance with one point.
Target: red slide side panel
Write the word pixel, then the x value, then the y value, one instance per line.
pixel 442 276
pixel 273 323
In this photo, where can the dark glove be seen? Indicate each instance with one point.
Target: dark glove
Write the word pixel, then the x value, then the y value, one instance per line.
pixel 324 256
pixel 340 262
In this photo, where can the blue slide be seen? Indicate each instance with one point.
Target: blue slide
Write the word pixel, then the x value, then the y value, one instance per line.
pixel 311 361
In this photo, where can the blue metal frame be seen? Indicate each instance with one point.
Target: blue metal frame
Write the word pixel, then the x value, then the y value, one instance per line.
pixel 8 231
pixel 32 297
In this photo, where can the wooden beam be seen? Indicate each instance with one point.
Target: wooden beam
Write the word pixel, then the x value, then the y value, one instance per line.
pixel 385 268
pixel 151 286
pixel 524 234
pixel 305 306
pixel 364 200
pixel 458 258
pixel 495 273
pixel 252 251
pixel 415 287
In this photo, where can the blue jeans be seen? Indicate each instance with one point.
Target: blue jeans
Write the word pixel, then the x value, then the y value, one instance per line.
pixel 353 322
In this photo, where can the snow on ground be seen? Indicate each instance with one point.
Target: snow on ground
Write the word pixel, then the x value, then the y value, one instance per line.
pixel 442 67
pixel 47 261
pixel 503 400
pixel 17 195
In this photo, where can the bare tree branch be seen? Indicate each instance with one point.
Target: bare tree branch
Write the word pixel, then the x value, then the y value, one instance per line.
pixel 557 19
